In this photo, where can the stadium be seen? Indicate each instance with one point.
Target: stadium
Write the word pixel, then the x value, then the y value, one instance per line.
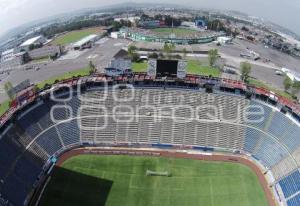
pixel 171 35
pixel 143 141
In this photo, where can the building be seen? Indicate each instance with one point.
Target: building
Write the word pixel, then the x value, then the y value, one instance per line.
pixel 35 41
pixel 86 42
pixel 200 23
pixel 132 19
pixel 188 24
pixel 7 55
pixel 291 74
pixel 137 34
pixel 224 40
pixel 121 64
pixel 14 61
pixel 116 35
pixel 46 51
pixel 151 23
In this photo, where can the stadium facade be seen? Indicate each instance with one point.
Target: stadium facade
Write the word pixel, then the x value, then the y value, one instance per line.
pixel 145 35
pixel 96 112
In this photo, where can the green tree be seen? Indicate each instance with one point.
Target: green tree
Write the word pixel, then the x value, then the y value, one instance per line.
pixel 153 55
pixel 212 57
pixel 295 88
pixel 92 67
pixel 8 87
pixel 184 51
pixel 132 53
pixel 168 49
pixel 116 25
pixel 287 83
pixel 245 71
pixel 131 49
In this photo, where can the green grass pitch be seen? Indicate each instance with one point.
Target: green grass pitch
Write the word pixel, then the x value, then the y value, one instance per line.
pixel 176 31
pixel 122 181
pixel 73 36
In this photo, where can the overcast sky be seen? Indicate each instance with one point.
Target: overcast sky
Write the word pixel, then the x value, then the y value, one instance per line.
pixel 17 12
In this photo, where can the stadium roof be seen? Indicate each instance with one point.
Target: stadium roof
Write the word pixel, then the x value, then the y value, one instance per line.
pixel 7 52
pixel 84 40
pixel 30 41
pixel 122 54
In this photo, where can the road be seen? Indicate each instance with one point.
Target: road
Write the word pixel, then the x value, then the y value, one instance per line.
pixel 101 55
pixel 104 50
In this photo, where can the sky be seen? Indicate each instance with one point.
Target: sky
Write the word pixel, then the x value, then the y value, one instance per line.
pixel 14 13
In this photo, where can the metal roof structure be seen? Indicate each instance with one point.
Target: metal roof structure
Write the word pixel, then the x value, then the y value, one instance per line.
pixel 30 41
pixel 85 40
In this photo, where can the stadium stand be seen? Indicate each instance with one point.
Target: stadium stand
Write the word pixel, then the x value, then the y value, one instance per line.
pixel 27 147
pixel 294 201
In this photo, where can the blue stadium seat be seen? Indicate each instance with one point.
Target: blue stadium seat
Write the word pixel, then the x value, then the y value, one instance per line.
pixel 295 201
pixel 290 184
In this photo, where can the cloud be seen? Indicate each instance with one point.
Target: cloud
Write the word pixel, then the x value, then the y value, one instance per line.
pixel 16 12
pixel 8 6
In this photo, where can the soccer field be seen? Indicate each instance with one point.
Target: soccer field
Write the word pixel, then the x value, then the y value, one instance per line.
pixel 122 181
pixel 75 36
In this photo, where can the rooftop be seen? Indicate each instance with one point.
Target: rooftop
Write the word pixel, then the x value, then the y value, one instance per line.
pixel 122 54
pixel 30 41
pixel 7 52
pixel 84 40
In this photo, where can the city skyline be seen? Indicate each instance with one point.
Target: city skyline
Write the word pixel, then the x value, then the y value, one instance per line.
pixel 18 12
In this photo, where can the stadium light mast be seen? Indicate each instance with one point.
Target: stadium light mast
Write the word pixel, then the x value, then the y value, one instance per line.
pixel 172 26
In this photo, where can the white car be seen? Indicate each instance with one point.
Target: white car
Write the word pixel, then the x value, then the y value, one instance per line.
pixel 278 72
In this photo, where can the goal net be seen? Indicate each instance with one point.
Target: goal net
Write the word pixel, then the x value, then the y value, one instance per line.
pixel 155 173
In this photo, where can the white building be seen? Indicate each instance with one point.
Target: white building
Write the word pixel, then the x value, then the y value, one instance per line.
pixel 45 51
pixel 7 55
pixel 38 40
pixel 132 19
pixel 224 40
pixel 121 64
pixel 188 24
pixel 115 35
pixel 294 76
pixel 14 61
pixel 86 42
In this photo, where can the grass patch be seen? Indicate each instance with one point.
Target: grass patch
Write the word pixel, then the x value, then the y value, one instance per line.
pixel 262 84
pixel 122 180
pixel 139 66
pixel 42 59
pixel 195 67
pixel 75 36
pixel 4 107
pixel 177 31
pixel 68 75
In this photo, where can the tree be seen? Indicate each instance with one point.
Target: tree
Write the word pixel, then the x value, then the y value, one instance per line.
pixel 131 49
pixel 212 56
pixel 8 87
pixel 92 67
pixel 287 83
pixel 295 88
pixel 31 47
pixel 184 51
pixel 116 25
pixel 168 49
pixel 216 25
pixel 153 55
pixel 132 53
pixel 245 71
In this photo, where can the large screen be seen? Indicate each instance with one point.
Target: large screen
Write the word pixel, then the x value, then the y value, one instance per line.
pixel 167 67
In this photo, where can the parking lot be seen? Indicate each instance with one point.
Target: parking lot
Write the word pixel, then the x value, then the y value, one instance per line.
pixel 101 55
pixel 104 49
